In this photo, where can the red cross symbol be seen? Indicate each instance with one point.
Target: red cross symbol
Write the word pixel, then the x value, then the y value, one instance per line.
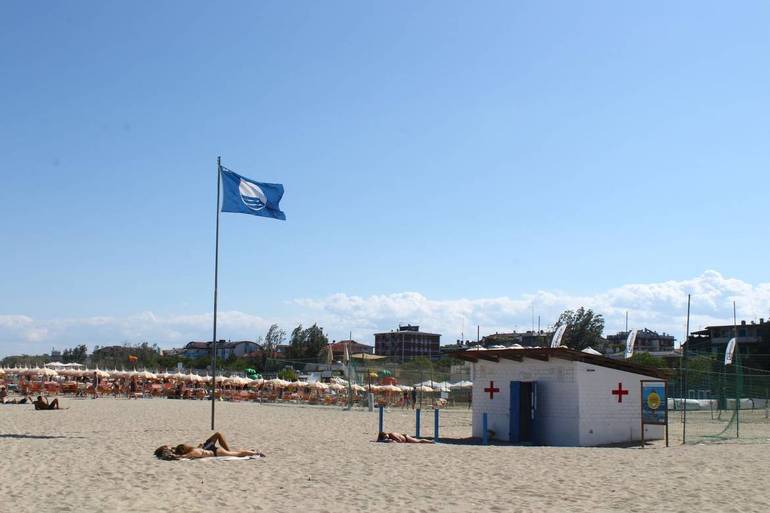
pixel 492 389
pixel 620 392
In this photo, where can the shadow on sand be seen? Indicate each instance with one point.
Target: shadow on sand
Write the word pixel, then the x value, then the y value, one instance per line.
pixel 477 441
pixel 37 437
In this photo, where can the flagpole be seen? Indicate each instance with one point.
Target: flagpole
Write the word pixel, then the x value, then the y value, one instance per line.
pixel 216 277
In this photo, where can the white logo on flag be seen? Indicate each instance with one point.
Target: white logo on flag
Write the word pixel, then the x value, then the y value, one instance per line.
pixel 252 196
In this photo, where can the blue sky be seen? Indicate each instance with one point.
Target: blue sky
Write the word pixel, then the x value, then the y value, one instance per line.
pixel 433 153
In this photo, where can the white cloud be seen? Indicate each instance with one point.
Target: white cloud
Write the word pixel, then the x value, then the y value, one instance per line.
pixel 659 306
pixel 23 334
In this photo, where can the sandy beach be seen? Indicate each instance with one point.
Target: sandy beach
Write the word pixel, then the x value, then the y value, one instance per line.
pixel 97 456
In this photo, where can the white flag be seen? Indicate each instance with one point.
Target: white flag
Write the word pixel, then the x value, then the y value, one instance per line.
pixel 729 352
pixel 630 341
pixel 557 336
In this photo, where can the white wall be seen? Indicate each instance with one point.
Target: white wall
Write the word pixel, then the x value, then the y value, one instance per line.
pixel 557 413
pixel 604 420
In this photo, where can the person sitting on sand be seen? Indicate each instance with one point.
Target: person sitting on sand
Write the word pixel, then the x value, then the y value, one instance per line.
pixel 4 398
pixel 207 449
pixel 42 403
pixel 400 438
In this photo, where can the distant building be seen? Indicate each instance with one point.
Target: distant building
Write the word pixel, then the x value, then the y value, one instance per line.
pixel 196 349
pixel 753 341
pixel 646 340
pixel 225 349
pixel 659 345
pixel 407 343
pixel 338 348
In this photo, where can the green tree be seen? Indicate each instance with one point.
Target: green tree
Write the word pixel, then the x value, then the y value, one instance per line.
pixel 584 328
pixel 646 359
pixel 288 374
pixel 274 337
pixel 75 355
pixel 306 344
pixel 420 362
pixel 297 343
pixel 315 341
pixel 25 360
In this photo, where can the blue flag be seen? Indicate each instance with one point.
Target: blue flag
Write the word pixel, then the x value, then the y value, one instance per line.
pixel 246 196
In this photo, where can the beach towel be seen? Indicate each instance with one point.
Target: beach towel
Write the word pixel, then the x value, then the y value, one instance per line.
pixel 227 458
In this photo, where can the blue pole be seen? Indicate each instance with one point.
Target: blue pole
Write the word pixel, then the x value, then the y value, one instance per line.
pixel 382 420
pixel 435 425
pixel 417 421
pixel 485 432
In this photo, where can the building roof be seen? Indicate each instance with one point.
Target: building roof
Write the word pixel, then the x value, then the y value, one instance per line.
pixel 340 346
pixel 407 332
pixel 642 333
pixel 220 345
pixel 496 355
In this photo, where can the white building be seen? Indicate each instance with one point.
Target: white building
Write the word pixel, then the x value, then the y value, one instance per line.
pixel 558 397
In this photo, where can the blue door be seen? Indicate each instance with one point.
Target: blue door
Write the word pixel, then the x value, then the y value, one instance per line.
pixel 522 411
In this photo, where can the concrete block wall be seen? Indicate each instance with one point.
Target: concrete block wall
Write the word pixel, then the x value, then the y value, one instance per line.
pixel 604 420
pixel 557 401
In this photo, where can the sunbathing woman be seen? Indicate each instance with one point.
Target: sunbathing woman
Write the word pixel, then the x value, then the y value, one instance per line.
pixel 400 438
pixel 207 449
pixel 42 404
pixel 4 398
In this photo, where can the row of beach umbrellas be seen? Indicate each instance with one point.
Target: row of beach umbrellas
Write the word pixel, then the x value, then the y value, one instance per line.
pixel 337 384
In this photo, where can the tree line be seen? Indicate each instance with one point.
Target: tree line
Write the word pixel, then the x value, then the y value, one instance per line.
pixel 304 345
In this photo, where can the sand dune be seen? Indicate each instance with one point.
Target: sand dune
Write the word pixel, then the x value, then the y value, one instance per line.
pixel 97 456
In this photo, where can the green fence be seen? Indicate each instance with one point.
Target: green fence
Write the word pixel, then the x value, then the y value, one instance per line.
pixel 713 402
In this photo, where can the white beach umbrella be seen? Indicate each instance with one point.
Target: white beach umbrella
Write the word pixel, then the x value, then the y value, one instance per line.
pixel 42 372
pixel 101 373
pixel 461 385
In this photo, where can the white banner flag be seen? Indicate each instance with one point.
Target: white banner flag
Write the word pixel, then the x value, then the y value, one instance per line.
pixel 630 341
pixel 729 352
pixel 557 336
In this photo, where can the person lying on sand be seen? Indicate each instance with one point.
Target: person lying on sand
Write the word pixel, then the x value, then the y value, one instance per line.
pixel 400 438
pixel 23 400
pixel 42 403
pixel 207 449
